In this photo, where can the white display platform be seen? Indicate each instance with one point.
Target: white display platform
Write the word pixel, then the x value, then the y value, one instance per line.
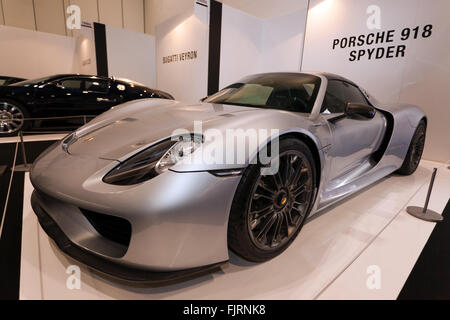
pixel 328 260
pixel 34 138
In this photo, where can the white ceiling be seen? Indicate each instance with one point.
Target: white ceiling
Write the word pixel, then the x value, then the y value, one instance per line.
pixel 267 8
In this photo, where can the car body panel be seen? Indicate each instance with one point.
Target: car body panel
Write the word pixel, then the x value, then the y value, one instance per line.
pixel 129 123
pixel 187 218
pixel 49 98
pixel 180 217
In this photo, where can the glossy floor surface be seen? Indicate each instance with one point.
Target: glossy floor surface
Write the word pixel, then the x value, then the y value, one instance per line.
pixel 336 256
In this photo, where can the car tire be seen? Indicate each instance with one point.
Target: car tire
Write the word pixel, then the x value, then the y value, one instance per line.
pixel 415 150
pixel 12 110
pixel 245 226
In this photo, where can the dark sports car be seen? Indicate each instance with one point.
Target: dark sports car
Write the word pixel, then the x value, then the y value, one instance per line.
pixel 67 99
pixel 5 81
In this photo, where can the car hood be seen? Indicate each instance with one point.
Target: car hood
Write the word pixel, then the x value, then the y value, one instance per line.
pixel 12 90
pixel 135 125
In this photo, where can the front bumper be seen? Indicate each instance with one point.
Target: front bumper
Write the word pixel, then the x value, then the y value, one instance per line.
pixel 175 221
pixel 103 265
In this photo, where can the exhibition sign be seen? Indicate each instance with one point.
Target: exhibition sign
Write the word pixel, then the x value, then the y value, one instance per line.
pixel 381 39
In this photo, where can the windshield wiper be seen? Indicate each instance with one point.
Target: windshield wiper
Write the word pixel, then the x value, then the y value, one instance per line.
pixel 239 104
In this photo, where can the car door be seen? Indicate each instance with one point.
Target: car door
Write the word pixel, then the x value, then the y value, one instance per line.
pixel 98 96
pixel 354 139
pixel 60 98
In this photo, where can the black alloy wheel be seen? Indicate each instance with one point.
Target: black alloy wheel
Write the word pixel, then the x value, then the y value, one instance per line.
pixel 279 202
pixel 12 118
pixel 418 146
pixel 415 150
pixel 268 211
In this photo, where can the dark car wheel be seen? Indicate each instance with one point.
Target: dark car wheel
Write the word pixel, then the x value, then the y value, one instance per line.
pixel 12 118
pixel 268 211
pixel 415 150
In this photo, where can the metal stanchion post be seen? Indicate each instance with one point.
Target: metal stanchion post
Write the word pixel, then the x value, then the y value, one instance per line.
pixel 425 213
pixel 24 155
pixel 25 167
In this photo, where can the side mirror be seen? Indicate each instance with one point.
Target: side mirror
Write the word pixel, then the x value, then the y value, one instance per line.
pixel 55 85
pixel 360 109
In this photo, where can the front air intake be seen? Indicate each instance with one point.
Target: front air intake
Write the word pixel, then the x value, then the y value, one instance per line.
pixel 112 228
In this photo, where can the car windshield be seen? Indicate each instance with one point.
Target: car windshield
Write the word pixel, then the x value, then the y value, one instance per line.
pixel 287 91
pixel 32 81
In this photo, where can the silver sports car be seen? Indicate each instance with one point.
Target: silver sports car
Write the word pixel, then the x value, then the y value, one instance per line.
pixel 155 190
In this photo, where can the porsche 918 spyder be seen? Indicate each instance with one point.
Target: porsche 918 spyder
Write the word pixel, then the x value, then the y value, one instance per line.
pixel 124 197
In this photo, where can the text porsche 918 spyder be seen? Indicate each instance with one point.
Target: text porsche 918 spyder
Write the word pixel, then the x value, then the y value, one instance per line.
pixel 113 195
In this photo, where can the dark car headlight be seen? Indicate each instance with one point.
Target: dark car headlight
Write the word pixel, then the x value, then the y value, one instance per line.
pixel 153 161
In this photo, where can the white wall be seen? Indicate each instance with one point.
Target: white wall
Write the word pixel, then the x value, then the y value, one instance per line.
pixel 110 13
pixel 2 20
pixel 267 9
pixel 158 11
pixel 131 55
pixel 133 15
pixel 252 45
pixel 283 41
pixel 185 80
pixel 85 60
pixel 421 77
pixel 241 45
pixel 19 13
pixel 31 54
pixel 50 15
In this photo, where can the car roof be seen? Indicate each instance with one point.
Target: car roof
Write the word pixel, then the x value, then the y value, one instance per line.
pixel 332 76
pixel 66 75
pixel 327 75
pixel 135 83
pixel 129 81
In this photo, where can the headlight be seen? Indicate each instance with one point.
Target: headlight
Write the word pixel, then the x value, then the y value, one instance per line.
pixel 182 149
pixel 152 161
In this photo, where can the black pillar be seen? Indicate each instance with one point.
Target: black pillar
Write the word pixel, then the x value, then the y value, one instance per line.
pixel 215 30
pixel 101 53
